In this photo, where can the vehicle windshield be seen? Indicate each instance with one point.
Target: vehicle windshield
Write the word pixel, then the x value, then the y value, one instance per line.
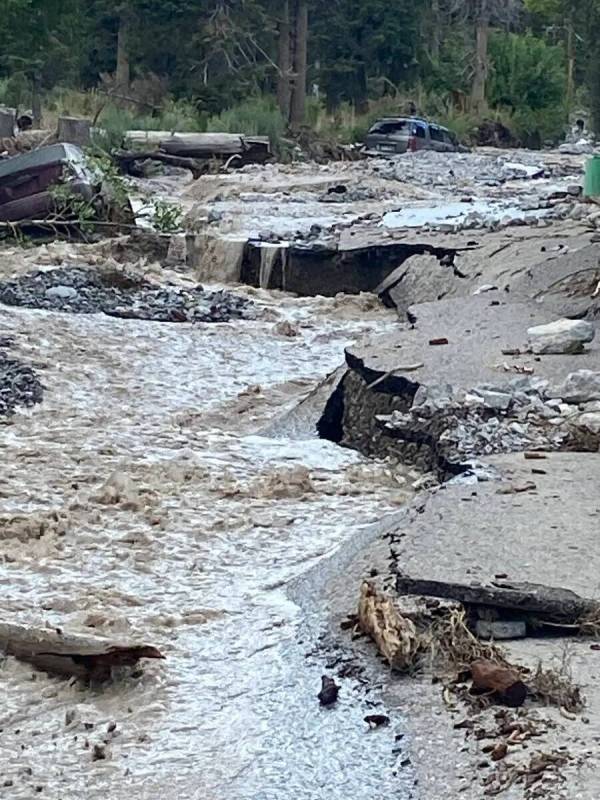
pixel 390 126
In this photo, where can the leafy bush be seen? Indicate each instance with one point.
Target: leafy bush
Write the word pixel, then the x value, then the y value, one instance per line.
pixel 526 72
pixel 15 91
pixel 256 116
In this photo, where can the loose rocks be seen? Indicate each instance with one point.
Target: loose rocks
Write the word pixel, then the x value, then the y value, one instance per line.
pixel 120 294
pixel 565 336
pixel 19 385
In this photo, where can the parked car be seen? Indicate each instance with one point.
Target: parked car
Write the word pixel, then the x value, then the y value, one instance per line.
pixel 393 135
pixel 26 181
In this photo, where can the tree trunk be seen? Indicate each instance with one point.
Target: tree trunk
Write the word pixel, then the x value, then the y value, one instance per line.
pixel 298 103
pixel 435 34
pixel 284 89
pixel 36 100
pixel 593 69
pixel 481 57
pixel 123 73
pixel 570 65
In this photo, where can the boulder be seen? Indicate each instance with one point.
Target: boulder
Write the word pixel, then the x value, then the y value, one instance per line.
pixel 590 420
pixel 564 336
pixel 61 293
pixel 580 387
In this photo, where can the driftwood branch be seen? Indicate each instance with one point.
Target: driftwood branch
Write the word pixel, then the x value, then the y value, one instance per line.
pixel 52 650
pixel 196 166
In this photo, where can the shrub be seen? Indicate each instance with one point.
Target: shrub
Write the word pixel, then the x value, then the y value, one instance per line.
pixel 526 72
pixel 256 116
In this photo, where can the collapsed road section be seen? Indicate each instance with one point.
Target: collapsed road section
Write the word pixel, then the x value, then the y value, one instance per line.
pixel 466 379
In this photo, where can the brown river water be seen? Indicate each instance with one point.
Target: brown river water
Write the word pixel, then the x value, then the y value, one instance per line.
pixel 168 516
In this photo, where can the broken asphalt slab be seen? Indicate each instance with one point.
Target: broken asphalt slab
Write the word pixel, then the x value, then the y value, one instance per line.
pixel 546 534
pixel 479 533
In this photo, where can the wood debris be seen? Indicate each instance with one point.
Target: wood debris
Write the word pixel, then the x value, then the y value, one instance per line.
pixel 396 636
pixel 54 651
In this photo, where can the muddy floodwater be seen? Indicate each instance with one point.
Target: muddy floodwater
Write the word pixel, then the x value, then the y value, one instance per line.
pixel 167 515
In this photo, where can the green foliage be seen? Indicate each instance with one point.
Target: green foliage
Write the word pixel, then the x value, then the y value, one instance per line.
pixel 258 116
pixel 69 205
pixel 526 72
pixel 113 184
pixel 452 70
pixel 166 217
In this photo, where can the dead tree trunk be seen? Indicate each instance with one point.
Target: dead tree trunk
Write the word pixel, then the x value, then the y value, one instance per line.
pixel 36 100
pixel 8 117
pixel 284 89
pixel 481 57
pixel 298 103
pixel 435 33
pixel 570 64
pixel 123 72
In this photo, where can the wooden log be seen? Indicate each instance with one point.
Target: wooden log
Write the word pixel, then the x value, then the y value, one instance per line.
pixel 8 118
pixel 504 682
pixel 396 636
pixel 202 145
pixel 126 158
pixel 544 602
pixel 74 130
pixel 52 650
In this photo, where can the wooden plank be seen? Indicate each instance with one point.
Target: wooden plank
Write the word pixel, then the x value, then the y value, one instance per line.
pixel 546 602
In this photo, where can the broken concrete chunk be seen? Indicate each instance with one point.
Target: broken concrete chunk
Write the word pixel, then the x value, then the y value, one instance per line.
pixel 579 387
pixel 565 336
pixel 500 401
pixel 590 421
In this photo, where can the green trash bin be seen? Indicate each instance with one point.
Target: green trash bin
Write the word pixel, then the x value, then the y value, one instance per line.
pixel 591 186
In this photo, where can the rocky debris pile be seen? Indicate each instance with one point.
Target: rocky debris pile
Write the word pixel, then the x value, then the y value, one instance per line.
pixel 525 414
pixel 428 168
pixel 121 294
pixel 19 384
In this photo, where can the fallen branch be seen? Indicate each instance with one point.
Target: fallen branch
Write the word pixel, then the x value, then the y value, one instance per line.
pixel 196 166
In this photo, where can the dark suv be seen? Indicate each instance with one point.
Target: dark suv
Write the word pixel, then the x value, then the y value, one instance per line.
pixel 393 135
